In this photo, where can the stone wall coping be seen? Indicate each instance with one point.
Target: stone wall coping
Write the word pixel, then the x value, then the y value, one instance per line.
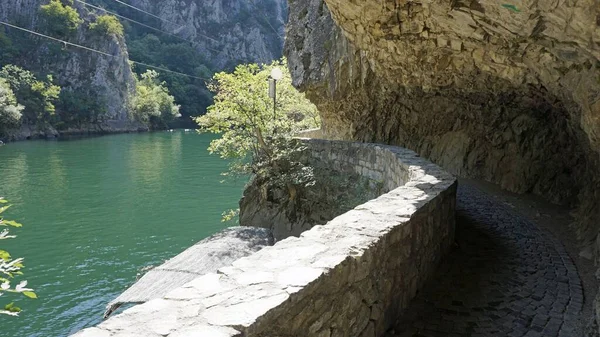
pixel 243 299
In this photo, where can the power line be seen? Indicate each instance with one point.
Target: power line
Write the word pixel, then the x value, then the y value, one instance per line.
pixel 139 23
pixel 173 23
pixel 162 19
pixel 143 11
pixel 98 51
pixel 128 19
pixel 266 19
pixel 153 28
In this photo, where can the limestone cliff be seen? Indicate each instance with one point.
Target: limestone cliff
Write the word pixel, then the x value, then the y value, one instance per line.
pixel 221 33
pixel 504 91
pixel 230 32
pixel 109 79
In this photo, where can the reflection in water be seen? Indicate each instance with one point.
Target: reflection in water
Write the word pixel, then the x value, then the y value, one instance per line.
pixel 57 176
pixel 14 172
pixel 148 160
pixel 176 141
pixel 97 209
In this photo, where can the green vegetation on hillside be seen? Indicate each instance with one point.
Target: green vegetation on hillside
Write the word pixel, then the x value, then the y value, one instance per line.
pixel 78 108
pixel 42 103
pixel 173 54
pixel 77 105
pixel 37 96
pixel 27 62
pixel 107 25
pixel 10 110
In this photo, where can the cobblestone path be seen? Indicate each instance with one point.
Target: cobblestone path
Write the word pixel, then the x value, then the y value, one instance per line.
pixel 505 277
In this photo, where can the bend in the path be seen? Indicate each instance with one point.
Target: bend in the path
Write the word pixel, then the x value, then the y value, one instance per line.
pixel 505 277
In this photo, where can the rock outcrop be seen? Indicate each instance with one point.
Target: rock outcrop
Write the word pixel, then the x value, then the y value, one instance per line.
pixel 227 32
pixel 510 95
pixel 206 256
pixel 507 91
pixel 110 79
pixel 224 34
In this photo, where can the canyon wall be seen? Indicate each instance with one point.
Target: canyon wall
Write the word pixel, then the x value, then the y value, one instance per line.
pixel 193 37
pixel 505 92
pixel 225 32
pixel 108 79
pixel 509 93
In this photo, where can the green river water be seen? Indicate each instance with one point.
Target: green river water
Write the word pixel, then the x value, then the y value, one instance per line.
pixel 96 210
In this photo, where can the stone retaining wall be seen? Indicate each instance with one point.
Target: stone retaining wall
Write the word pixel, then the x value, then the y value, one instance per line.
pixel 377 163
pixel 351 277
pixel 311 133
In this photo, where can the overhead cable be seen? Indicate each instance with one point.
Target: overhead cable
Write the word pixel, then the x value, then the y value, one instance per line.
pixel 143 11
pixel 162 19
pixel 98 51
pixel 139 23
pixel 266 19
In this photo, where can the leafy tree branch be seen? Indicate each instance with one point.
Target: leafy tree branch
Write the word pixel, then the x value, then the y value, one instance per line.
pixel 10 268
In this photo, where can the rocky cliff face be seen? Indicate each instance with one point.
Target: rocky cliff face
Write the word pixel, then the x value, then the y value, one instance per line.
pixel 230 32
pixel 506 92
pixel 510 94
pixel 108 78
pixel 224 33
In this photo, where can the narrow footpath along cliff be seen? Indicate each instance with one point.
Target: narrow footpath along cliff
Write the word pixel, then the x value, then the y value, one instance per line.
pixel 508 92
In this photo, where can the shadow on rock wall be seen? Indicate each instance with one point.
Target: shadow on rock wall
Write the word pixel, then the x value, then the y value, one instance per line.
pixel 486 92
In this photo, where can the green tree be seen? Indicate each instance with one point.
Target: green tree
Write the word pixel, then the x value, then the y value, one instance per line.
pixel 145 49
pixel 10 268
pixel 10 110
pixel 107 25
pixel 258 140
pixel 190 93
pixel 79 107
pixel 152 103
pixel 36 96
pixel 60 19
pixel 8 51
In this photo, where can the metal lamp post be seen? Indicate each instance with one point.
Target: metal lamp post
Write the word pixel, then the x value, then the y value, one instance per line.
pixel 276 75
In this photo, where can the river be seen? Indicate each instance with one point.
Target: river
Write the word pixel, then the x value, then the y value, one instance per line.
pixel 96 210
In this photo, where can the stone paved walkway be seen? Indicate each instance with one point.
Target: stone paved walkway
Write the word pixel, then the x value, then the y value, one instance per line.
pixel 506 277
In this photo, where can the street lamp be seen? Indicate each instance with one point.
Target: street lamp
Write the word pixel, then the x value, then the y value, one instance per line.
pixel 276 75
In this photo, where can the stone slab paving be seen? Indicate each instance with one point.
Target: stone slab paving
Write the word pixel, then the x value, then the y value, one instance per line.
pixel 505 277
